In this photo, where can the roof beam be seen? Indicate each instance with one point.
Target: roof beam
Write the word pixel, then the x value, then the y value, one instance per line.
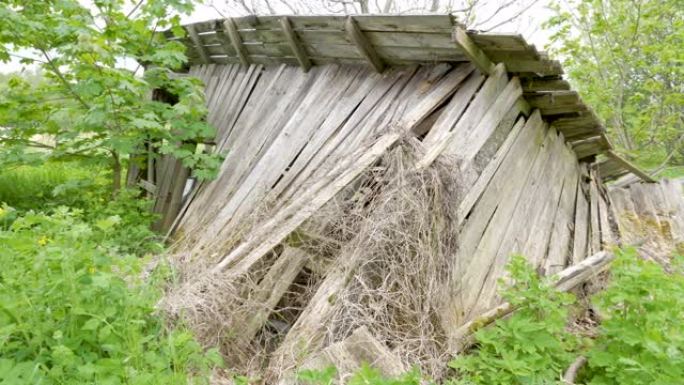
pixel 363 45
pixel 194 36
pixel 472 51
pixel 631 167
pixel 295 44
pixel 236 40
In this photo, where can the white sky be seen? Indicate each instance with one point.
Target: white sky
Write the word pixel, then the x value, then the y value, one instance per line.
pixel 528 25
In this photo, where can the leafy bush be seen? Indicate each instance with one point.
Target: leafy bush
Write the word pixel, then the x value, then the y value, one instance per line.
pixel 74 310
pixel 530 347
pixel 641 337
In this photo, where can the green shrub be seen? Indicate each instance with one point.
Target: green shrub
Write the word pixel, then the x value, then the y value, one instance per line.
pixel 641 338
pixel 530 347
pixel 74 310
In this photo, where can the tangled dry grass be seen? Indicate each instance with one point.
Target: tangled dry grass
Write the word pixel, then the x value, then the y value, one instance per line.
pixel 392 230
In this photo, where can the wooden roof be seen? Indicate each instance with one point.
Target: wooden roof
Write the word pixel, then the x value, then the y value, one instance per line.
pixel 394 40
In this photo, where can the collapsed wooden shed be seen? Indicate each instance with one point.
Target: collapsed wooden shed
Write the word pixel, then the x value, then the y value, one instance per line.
pixel 379 172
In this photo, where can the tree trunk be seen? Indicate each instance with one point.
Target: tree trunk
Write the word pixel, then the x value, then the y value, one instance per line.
pixel 116 173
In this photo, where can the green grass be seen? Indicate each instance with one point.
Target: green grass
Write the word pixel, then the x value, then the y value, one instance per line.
pixel 51 184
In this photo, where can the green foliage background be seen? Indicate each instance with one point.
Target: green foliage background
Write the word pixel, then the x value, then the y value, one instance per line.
pixel 90 101
pixel 626 59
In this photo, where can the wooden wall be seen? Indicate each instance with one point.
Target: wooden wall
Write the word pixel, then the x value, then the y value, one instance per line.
pixel 294 140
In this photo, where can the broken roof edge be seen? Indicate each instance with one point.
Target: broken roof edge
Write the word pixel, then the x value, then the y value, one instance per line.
pixel 383 41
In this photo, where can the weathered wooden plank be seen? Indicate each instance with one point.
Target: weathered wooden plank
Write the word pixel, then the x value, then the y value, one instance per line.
pixel 553 99
pixel 537 67
pixel 630 167
pixel 489 122
pixel 247 145
pixel 500 42
pixel 455 140
pixel 472 51
pixel 272 288
pixel 607 237
pixel 365 48
pixel 197 44
pixel 530 85
pixel 594 219
pixel 474 193
pixel 628 222
pixel 147 186
pixel 236 40
pixel 581 221
pixel 454 109
pixel 273 231
pixel 498 200
pixel 609 169
pixel 409 23
pixel 339 113
pixel 591 146
pixel 295 44
pixel 560 245
pixel 457 145
pixel 348 357
pixel 410 39
pixel 491 145
pixel 295 133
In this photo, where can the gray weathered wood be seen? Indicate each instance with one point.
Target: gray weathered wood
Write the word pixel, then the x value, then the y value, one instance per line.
pixel 197 44
pixel 236 40
pixel 472 51
pixel 581 221
pixel 349 355
pixel 272 288
pixel 295 44
pixel 629 166
pixel 364 47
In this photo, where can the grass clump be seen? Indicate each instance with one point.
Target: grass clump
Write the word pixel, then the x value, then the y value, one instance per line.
pixel 52 184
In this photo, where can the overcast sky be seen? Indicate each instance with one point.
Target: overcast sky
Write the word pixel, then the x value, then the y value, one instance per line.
pixel 528 25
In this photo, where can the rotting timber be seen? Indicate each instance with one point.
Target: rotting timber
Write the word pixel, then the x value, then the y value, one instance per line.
pixel 380 171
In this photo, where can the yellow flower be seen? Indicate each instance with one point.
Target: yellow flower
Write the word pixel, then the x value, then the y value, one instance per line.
pixel 91 270
pixel 43 240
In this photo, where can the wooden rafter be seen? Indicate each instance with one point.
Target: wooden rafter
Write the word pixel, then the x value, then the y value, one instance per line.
pixel 363 45
pixel 194 36
pixel 295 44
pixel 629 166
pixel 472 51
pixel 236 40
